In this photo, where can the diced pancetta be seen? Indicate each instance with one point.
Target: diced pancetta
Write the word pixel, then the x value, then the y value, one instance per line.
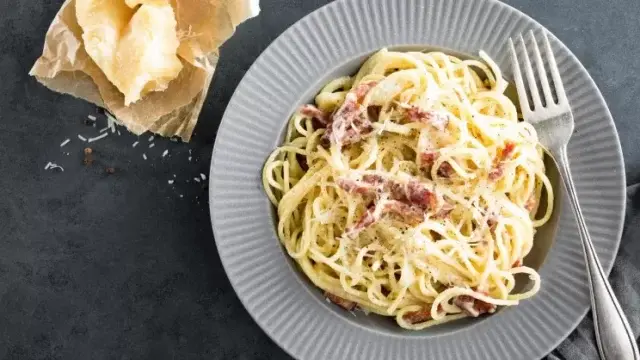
pixel 437 119
pixel 321 118
pixel 497 171
pixel 412 192
pixel 351 121
pixel 343 303
pixel 472 306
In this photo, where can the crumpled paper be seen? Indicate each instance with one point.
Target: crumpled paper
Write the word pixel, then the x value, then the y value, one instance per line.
pixel 203 25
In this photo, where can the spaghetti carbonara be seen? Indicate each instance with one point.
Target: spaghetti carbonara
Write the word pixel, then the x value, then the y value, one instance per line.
pixel 410 189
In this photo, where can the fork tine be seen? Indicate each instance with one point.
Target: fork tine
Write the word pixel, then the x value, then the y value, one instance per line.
pixel 555 73
pixel 521 89
pixel 542 73
pixel 531 80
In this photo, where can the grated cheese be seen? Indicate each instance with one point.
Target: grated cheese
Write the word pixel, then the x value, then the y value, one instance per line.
pixel 135 144
pixel 151 138
pixel 111 121
pixel 104 129
pixel 151 145
pixel 165 153
pixel 64 143
pixel 92 118
pixel 170 182
pixel 51 166
pixel 104 135
pixel 82 138
pixel 144 156
pixel 203 176
pixel 196 179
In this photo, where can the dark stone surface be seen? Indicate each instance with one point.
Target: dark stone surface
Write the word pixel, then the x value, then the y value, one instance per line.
pixel 120 266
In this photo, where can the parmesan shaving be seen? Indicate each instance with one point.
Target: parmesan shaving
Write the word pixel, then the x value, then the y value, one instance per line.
pixel 165 153
pixel 135 144
pixel 144 156
pixel 82 138
pixel 64 142
pixel 51 166
pixel 104 135
pixel 111 121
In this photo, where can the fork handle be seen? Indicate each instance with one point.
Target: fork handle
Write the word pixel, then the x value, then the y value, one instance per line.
pixel 613 334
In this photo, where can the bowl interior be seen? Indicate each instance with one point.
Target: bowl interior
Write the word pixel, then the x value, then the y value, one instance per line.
pixel 543 239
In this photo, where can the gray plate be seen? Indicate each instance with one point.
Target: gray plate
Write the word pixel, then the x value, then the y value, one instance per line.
pixel 333 41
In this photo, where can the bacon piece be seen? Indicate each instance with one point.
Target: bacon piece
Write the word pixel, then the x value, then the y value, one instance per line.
pixel 419 195
pixel 517 263
pixel 531 203
pixel 343 303
pixel 472 306
pixel 496 173
pixel 413 192
pixel 363 89
pixel 484 307
pixel 408 213
pixel 435 118
pixel 427 159
pixel 408 200
pixel 376 180
pixel 321 118
pixel 356 187
pixel 445 170
pixel 498 167
pixel 509 147
pixel 369 185
pixel 369 218
pixel 349 123
pixel 444 211
pixel 419 316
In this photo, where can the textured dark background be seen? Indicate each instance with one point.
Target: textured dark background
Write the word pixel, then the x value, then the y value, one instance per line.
pixel 124 266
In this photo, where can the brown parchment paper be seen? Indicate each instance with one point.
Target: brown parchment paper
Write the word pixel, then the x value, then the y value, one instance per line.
pixel 203 25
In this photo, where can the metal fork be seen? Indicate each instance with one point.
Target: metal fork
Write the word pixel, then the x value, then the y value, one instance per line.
pixel 554 123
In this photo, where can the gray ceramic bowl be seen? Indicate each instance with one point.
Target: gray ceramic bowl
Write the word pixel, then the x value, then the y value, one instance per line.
pixel 333 41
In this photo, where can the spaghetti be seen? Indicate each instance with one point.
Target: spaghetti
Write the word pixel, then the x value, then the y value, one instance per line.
pixel 410 189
